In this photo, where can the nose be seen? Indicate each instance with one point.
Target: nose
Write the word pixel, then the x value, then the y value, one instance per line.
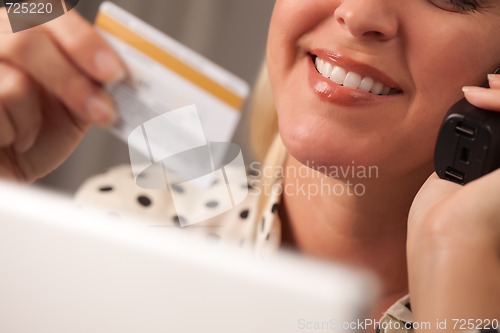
pixel 368 19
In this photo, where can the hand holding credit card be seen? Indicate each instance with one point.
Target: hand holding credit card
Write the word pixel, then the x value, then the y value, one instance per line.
pixel 167 75
pixel 177 112
pixel 164 75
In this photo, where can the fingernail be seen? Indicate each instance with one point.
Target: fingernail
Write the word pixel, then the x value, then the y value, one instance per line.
pixel 493 77
pixel 472 89
pixel 100 111
pixel 109 66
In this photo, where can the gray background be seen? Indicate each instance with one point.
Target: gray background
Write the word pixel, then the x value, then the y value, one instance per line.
pixel 232 33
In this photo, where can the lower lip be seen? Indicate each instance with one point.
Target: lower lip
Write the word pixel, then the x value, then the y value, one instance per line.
pixel 331 92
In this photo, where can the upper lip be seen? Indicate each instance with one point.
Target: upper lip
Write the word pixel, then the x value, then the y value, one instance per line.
pixel 351 65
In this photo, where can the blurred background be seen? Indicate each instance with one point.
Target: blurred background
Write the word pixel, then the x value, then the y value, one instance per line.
pixel 231 33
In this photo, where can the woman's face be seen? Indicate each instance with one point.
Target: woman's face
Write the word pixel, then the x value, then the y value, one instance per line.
pixel 420 52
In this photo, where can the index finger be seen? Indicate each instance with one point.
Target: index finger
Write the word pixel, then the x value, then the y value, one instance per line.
pixel 484 98
pixel 35 54
pixel 83 45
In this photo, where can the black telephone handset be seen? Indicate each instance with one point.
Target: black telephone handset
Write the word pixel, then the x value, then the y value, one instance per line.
pixel 468 144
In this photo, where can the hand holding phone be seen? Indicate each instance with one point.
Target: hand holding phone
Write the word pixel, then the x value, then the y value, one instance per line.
pixel 468 144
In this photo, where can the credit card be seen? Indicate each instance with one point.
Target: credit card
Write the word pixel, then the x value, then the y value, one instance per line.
pixel 165 75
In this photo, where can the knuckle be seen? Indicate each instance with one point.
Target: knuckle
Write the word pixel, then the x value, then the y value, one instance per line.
pixel 80 41
pixel 435 225
pixel 452 225
pixel 440 224
pixel 73 46
pixel 15 85
pixel 17 47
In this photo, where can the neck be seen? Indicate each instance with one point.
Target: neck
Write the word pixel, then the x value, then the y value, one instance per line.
pixel 367 230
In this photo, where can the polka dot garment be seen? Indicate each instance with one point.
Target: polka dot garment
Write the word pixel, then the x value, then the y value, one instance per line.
pixel 117 192
pixel 252 225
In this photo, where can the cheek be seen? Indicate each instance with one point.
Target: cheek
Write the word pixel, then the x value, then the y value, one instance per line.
pixel 440 67
pixel 291 20
pixel 443 60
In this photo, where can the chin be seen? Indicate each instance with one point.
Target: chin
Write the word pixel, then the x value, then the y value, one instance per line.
pixel 319 144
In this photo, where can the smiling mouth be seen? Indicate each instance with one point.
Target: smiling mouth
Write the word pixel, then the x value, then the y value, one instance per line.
pixel 353 80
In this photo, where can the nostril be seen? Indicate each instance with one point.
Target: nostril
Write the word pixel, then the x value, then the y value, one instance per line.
pixel 376 34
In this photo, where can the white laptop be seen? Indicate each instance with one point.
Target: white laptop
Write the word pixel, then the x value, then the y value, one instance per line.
pixel 65 269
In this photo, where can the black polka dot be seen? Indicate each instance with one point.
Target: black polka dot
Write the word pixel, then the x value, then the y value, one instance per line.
pixel 212 204
pixel 144 201
pixel 248 186
pixel 253 173
pixel 177 188
pixel 244 214
pixel 106 188
pixel 178 220
pixel 275 208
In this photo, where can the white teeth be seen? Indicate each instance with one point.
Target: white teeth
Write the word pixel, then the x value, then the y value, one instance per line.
pixel 377 88
pixel 386 91
pixel 350 79
pixel 327 70
pixel 319 64
pixel 366 84
pixel 338 75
